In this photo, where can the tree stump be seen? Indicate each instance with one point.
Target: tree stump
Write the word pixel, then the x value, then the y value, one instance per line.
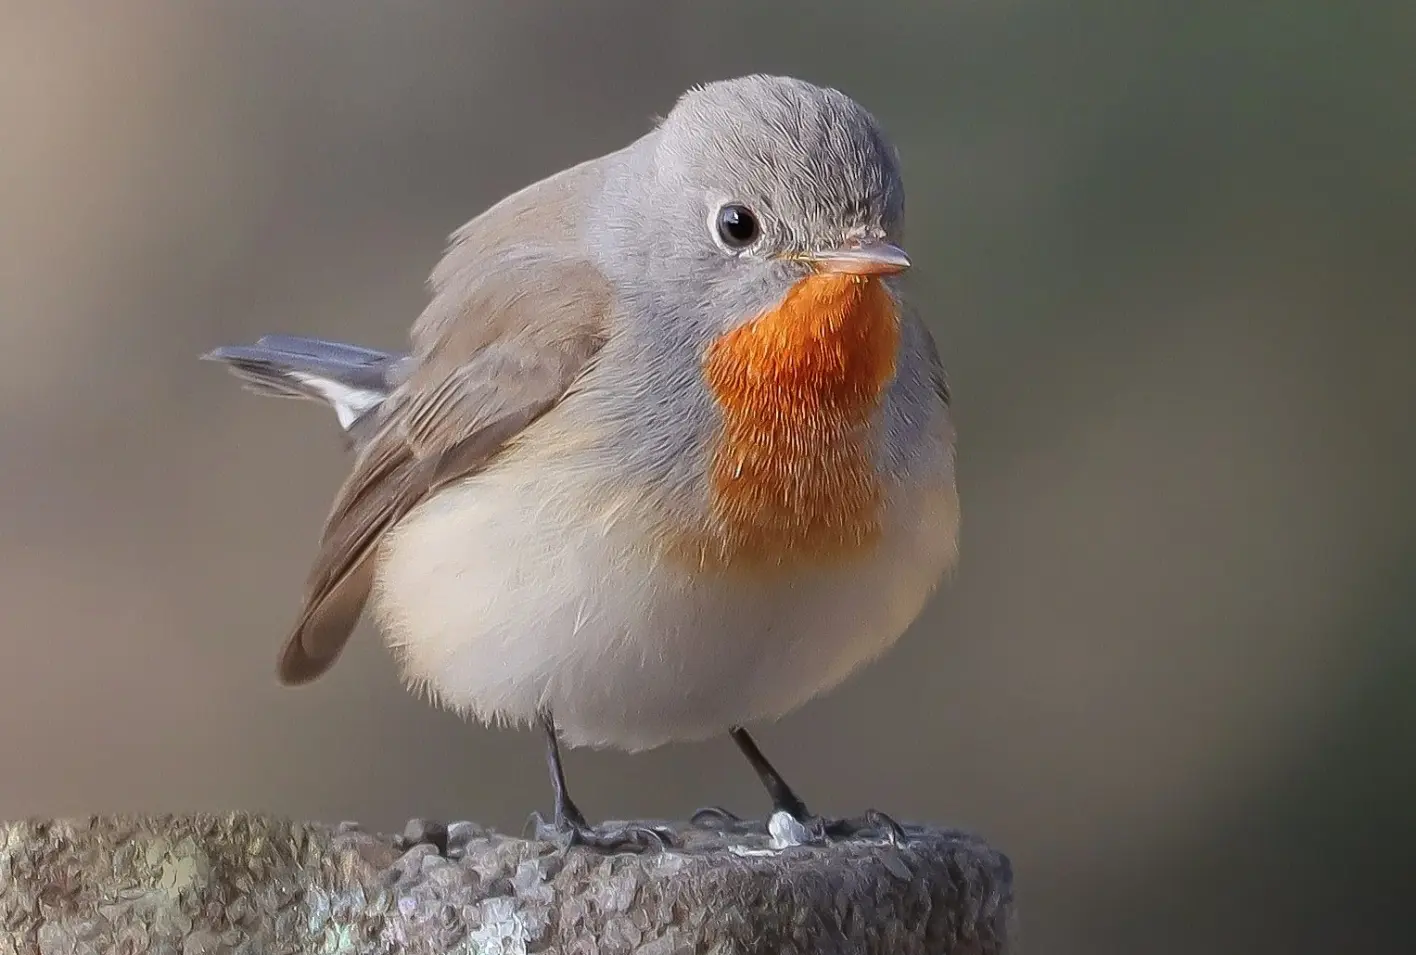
pixel 256 885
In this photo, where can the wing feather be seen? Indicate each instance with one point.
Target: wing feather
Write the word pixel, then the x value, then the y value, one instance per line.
pixel 526 336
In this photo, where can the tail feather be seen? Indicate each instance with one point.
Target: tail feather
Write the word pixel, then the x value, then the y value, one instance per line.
pixel 350 379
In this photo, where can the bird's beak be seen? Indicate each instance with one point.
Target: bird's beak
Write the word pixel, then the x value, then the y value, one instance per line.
pixel 868 257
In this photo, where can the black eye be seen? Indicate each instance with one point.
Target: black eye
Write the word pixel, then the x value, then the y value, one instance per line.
pixel 737 226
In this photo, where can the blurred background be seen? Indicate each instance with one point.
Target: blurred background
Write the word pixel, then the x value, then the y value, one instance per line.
pixel 1167 250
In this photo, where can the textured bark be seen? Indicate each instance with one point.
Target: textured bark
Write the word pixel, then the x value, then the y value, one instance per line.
pixel 264 886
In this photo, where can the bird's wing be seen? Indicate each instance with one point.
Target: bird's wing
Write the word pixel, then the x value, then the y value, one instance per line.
pixel 509 329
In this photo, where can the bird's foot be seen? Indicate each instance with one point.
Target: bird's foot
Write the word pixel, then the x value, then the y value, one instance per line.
pixel 719 819
pixel 607 838
pixel 871 823
pixel 570 826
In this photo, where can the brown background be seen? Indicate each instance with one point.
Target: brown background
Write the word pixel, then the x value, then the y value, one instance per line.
pixel 1167 249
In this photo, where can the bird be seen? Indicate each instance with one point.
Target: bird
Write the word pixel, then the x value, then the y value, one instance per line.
pixel 669 451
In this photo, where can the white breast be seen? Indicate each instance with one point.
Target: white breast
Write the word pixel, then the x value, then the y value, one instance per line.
pixel 524 589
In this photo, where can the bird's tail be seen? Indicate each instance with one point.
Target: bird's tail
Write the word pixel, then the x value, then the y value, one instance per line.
pixel 351 380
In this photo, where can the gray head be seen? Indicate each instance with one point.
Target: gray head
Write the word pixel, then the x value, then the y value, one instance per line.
pixel 748 185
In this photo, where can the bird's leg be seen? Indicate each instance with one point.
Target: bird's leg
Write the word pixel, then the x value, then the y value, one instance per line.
pixel 568 814
pixel 570 821
pixel 785 799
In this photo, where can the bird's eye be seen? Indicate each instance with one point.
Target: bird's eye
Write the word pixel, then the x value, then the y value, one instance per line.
pixel 737 226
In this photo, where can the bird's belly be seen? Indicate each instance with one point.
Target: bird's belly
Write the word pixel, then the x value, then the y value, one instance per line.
pixel 504 596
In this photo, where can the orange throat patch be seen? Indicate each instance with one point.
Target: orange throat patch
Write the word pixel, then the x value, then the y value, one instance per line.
pixel 793 471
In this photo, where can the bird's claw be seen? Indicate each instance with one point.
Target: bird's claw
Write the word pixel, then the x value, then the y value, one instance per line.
pixel 819 828
pixel 870 821
pixel 722 820
pixel 624 837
